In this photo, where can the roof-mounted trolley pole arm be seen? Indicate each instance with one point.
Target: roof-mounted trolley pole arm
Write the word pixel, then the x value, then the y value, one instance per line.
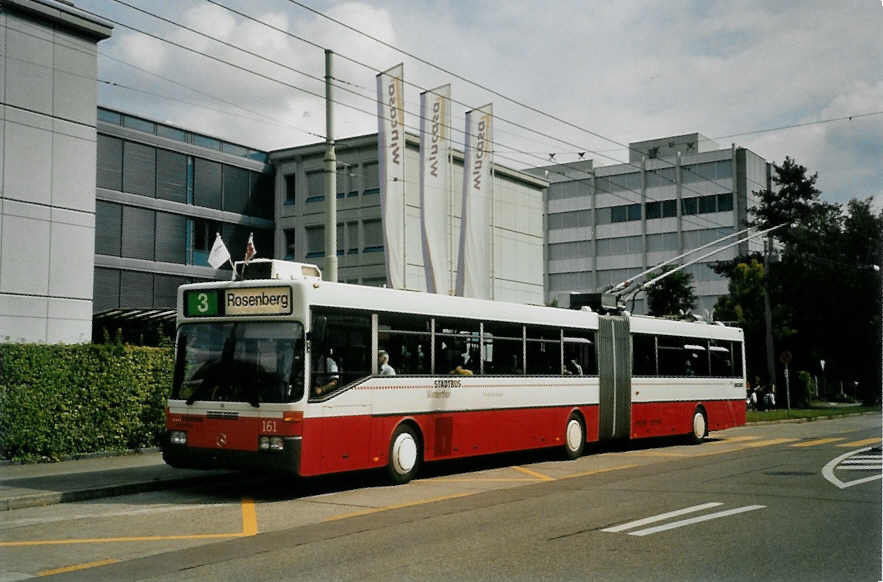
pixel 696 260
pixel 620 288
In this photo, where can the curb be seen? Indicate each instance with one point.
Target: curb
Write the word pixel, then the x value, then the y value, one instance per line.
pixel 53 498
pixel 810 419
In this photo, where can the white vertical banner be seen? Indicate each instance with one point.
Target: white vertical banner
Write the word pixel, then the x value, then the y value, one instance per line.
pixel 435 188
pixel 474 264
pixel 391 155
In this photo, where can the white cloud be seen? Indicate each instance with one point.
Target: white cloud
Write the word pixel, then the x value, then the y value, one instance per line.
pixel 627 70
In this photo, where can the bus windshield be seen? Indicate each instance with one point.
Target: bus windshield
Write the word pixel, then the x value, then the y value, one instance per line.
pixel 250 362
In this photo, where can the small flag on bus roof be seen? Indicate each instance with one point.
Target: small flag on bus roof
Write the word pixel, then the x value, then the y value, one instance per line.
pixel 219 253
pixel 250 251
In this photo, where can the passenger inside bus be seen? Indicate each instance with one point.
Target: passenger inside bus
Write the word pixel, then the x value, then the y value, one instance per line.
pixel 454 361
pixel 383 361
pixel 325 374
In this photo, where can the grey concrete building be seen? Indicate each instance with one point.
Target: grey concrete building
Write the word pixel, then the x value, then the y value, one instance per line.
pixel 301 211
pixel 606 224
pixel 47 164
pixel 162 195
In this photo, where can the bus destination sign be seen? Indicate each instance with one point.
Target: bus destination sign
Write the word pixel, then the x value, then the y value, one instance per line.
pixel 246 301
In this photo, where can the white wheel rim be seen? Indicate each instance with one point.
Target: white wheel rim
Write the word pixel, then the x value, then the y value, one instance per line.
pixel 404 453
pixel 698 425
pixel 574 434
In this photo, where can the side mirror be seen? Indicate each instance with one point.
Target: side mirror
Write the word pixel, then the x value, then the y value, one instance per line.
pixel 317 334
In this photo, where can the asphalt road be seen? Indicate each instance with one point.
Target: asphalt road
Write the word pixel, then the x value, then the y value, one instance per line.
pixel 770 502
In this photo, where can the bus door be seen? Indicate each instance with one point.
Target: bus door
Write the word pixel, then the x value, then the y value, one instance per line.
pixel 615 373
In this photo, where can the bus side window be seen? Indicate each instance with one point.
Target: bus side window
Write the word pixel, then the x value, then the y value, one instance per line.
pixel 347 343
pixel 721 357
pixel 672 356
pixel 579 353
pixel 457 350
pixel 503 348
pixel 543 350
pixel 643 355
pixel 407 340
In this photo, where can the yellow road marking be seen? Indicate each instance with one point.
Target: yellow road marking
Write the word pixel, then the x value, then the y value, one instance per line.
pixel 249 518
pixel 76 567
pixel 476 480
pixel 768 443
pixel 861 443
pixel 596 471
pixel 816 442
pixel 733 440
pixel 122 539
pixel 399 506
pixel 539 476
pixel 249 528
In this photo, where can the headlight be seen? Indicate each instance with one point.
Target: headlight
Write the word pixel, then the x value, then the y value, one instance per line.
pixel 178 437
pixel 264 443
pixel 276 444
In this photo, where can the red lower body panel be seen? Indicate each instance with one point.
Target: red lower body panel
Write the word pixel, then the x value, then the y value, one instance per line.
pixel 349 443
pixel 653 419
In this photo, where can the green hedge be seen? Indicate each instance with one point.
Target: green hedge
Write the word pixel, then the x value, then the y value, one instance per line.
pixel 59 401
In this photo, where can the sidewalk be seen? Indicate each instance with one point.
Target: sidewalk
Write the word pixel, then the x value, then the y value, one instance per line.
pixel 49 483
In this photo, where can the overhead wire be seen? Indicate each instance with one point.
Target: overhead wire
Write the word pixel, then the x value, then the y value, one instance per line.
pixel 485 88
pixel 372 68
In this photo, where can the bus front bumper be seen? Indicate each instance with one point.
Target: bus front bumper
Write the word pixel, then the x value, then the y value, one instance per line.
pixel 185 457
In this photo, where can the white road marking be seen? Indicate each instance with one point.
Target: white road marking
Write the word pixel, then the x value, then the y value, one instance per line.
pixel 692 520
pixel 661 517
pixel 860 468
pixel 828 470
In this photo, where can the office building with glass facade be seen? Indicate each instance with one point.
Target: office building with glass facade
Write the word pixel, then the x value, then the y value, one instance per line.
pixel 162 195
pixel 606 224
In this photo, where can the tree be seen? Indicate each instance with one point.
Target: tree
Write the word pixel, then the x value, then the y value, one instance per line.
pixel 672 295
pixel 823 287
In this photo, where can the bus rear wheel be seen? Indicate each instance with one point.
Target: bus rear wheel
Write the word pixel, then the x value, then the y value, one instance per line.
pixel 404 455
pixel 574 437
pixel 699 427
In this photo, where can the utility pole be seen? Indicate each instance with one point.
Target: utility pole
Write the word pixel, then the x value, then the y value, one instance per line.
pixel 767 311
pixel 330 180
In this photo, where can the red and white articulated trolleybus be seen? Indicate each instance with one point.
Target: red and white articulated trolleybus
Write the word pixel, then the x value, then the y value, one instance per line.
pixel 285 371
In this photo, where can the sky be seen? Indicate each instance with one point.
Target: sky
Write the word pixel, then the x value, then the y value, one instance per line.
pixel 608 72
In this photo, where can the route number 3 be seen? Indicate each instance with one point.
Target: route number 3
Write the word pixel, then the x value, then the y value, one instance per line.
pixel 202 302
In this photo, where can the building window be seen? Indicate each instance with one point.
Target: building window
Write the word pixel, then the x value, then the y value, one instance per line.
pixel 139 169
pixel 139 233
pixel 171 238
pixel 352 237
pixel 707 204
pixel 725 202
pixel 204 233
pixel 373 235
pixel 315 241
pixel 206 142
pixel 315 186
pixel 288 251
pixel 108 228
pixel 290 189
pixel 236 189
pixel 371 178
pixel 619 214
pixel 171 176
pixel 207 184
pixel 634 211
pixel 138 124
pixel 669 208
pixel 689 206
pixel 110 163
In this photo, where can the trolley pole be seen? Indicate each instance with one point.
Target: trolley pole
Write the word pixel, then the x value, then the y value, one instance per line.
pixel 330 180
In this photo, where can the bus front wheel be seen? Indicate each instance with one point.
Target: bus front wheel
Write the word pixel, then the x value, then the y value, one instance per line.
pixel 404 455
pixel 574 437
